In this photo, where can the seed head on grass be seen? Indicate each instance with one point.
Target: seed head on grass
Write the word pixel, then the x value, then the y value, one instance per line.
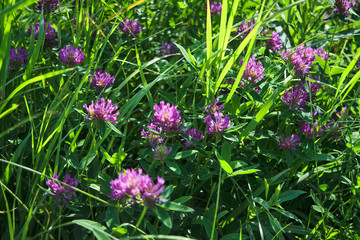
pixel 62 193
pixel 135 187
pixel 18 58
pixel 289 142
pixel 102 111
pixel 130 27
pixel 71 55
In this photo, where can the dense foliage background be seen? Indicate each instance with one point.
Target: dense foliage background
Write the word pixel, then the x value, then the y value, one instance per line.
pixel 281 161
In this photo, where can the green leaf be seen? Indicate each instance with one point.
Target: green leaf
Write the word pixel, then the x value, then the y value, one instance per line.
pixel 289 195
pixel 173 166
pixel 110 125
pixel 96 228
pixel 244 172
pixel 226 152
pixel 112 217
pixel 163 215
pixel 226 166
pixel 184 154
pixel 176 207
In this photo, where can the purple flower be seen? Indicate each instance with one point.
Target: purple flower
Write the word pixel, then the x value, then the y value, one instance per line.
pixel 167 117
pixel 195 135
pixel 213 107
pixel 134 187
pixel 161 152
pixel 168 48
pixel 101 81
pixel 275 43
pixel 253 71
pixel 61 192
pixel 302 58
pixel 17 58
pixel 130 27
pixel 215 7
pixel 219 125
pixel 245 29
pixel 71 55
pixel 101 111
pixel 153 138
pixel 313 87
pixel 50 33
pixel 337 129
pixel 310 132
pixel 48 5
pixel 295 98
pixel 289 142
pixel 341 7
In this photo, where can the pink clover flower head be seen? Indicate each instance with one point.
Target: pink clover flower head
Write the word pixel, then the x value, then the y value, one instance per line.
pixel 213 107
pixel 320 52
pixel 220 124
pixel 313 87
pixel 136 187
pixel 253 71
pixel 197 135
pixel 295 98
pixel 48 5
pixel 61 192
pixel 167 117
pixel 215 8
pixel 101 80
pixel 310 132
pixel 130 27
pixel 50 33
pixel 161 152
pixel 17 57
pixel 102 111
pixel 245 29
pixel 289 142
pixel 168 48
pixel 275 43
pixel 153 138
pixel 71 55
pixel 342 7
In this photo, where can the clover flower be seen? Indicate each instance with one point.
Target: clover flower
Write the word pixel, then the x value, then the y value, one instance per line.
pixel 310 132
pixel 101 80
pixel 194 134
pixel 341 7
pixel 341 125
pixel 50 33
pixel 61 192
pixel 102 111
pixel 313 87
pixel 289 142
pixel 134 187
pixel 168 48
pixel 71 55
pixel 213 107
pixel 275 43
pixel 253 71
pixel 295 98
pixel 245 29
pixel 161 152
pixel 17 58
pixel 220 124
pixel 48 5
pixel 153 138
pixel 167 117
pixel 215 7
pixel 302 58
pixel 130 27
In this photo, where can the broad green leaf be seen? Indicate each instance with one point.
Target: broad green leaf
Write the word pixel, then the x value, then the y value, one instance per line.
pixel 163 215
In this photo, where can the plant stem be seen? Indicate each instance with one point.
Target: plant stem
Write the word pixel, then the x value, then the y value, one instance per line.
pixel 217 205
pixel 140 220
